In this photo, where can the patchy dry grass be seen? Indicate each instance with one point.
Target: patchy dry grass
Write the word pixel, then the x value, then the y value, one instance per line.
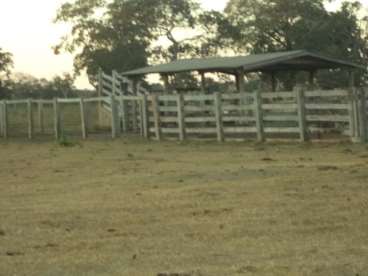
pixel 135 208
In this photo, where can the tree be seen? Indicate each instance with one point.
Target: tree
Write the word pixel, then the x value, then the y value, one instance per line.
pixel 120 34
pixel 27 86
pixel 6 63
pixel 261 26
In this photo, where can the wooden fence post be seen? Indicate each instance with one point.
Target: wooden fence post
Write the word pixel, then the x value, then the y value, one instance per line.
pixel 5 125
pixel 57 127
pixel 259 116
pixel 181 117
pixel 144 117
pixel 30 118
pixel 1 119
pixel 362 113
pixel 114 119
pixel 40 117
pixel 124 114
pixel 301 114
pixel 135 107
pixel 83 118
pixel 218 113
pixel 100 88
pixel 156 116
pixel 353 115
pixel 6 120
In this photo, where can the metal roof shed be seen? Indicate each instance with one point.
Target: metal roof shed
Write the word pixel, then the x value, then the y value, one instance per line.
pixel 300 60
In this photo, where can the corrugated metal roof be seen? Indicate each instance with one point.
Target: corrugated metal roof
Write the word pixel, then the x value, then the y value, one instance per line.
pixel 293 60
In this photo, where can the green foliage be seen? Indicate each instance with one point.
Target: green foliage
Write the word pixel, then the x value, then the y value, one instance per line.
pixel 118 34
pixel 6 63
pixel 26 86
pixel 260 26
pixel 126 34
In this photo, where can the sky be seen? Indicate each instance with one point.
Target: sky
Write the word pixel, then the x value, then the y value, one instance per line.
pixel 28 32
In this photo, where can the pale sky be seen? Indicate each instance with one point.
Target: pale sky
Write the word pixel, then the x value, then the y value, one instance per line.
pixel 28 32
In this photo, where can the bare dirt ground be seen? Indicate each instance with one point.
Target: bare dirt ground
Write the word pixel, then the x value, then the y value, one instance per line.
pixel 132 207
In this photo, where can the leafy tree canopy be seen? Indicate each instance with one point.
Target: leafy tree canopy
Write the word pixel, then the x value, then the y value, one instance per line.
pixel 126 34
pixel 260 26
pixel 26 86
pixel 6 64
pixel 120 34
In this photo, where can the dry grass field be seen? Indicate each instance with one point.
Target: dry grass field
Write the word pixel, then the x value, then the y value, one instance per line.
pixel 132 207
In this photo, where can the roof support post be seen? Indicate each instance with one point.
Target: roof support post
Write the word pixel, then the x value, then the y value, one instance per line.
pixel 351 79
pixel 240 81
pixel 311 80
pixel 237 82
pixel 273 81
pixel 166 83
pixel 203 82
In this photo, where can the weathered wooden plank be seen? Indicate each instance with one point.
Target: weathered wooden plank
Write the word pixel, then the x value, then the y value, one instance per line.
pixel 124 114
pixel 280 118
pixel 168 109
pixel 83 118
pixel 156 116
pixel 200 119
pixel 30 118
pixel 301 115
pixel 41 125
pixel 281 130
pixel 327 93
pixel 206 108
pixel 328 118
pixel 144 116
pixel 165 130
pixel 134 115
pixel 181 117
pixel 12 102
pixel 273 95
pixel 1 119
pixel 326 106
pixel 284 107
pixel 96 100
pixel 259 116
pixel 201 130
pixel 57 125
pixel 238 119
pixel 5 120
pixel 240 130
pixel 353 114
pixel 114 118
pixel 165 119
pixel 198 98
pixel 106 92
pixel 132 98
pixel 229 107
pixel 70 101
pixel 218 114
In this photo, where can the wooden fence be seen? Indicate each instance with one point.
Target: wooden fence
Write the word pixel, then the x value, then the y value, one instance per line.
pixel 57 117
pixel 300 114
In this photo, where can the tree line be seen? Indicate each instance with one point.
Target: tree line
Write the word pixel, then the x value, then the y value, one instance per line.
pixel 127 34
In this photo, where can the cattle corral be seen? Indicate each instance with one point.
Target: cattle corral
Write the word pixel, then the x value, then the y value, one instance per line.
pixel 132 207
pixel 304 115
pixel 164 198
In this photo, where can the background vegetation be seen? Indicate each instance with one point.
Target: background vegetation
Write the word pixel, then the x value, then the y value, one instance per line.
pixel 126 34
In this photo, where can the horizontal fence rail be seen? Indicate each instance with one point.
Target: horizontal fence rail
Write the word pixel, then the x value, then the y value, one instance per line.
pixel 300 114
